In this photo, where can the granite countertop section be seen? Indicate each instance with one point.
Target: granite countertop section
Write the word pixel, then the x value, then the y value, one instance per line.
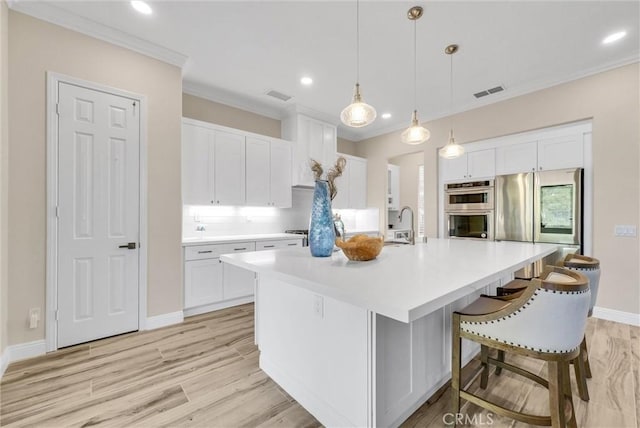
pixel 405 282
pixel 187 242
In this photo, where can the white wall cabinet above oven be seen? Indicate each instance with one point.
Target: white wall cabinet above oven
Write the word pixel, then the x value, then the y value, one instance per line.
pixel 555 152
pixel 352 185
pixel 313 139
pixel 473 164
pixel 224 166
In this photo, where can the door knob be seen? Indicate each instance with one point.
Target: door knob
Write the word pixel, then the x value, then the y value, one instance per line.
pixel 129 246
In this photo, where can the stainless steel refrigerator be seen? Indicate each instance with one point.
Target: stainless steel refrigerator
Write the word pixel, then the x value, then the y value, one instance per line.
pixel 543 206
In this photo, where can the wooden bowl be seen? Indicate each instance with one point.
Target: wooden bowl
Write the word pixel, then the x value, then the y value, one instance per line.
pixel 361 247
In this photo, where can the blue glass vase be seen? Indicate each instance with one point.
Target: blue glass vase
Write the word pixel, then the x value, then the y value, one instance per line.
pixel 321 230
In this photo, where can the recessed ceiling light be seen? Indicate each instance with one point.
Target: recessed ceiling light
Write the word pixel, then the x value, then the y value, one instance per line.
pixel 306 80
pixel 141 7
pixel 613 37
pixel 386 115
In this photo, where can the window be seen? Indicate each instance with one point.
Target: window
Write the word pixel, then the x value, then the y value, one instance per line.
pixel 420 201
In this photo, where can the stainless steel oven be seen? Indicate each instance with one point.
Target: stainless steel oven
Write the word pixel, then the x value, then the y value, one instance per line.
pixel 470 224
pixel 472 195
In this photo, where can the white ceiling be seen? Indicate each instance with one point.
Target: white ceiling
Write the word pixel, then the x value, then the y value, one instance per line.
pixel 237 50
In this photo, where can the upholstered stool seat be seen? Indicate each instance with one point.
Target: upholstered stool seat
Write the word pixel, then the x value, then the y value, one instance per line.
pixel 546 321
pixel 590 267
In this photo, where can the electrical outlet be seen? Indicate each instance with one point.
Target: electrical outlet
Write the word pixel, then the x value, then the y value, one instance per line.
pixel 34 317
pixel 318 306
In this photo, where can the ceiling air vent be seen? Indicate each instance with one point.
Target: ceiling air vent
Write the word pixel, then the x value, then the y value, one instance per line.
pixel 279 95
pixel 488 92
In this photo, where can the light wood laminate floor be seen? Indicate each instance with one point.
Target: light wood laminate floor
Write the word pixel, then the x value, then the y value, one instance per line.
pixel 204 372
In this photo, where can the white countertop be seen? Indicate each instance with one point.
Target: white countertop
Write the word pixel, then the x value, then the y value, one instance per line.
pixel 186 242
pixel 405 282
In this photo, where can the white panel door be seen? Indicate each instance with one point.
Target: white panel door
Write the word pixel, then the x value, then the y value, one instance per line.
pixel 98 199
pixel 258 172
pixel 280 156
pixel 197 161
pixel 229 167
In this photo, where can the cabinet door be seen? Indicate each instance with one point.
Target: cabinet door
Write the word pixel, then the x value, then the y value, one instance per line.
pixel 258 172
pixel 560 152
pixel 329 146
pixel 202 282
pixel 454 169
pixel 237 282
pixel 517 158
pixel 481 164
pixel 358 184
pixel 393 202
pixel 197 144
pixel 280 156
pixel 229 168
pixel 302 172
pixel 341 201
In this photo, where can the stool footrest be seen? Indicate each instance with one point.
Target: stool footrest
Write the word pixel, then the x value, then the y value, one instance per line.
pixel 503 411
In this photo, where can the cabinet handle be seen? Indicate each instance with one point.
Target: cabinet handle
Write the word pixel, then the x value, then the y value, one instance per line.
pixel 295 244
pixel 239 249
pixel 269 246
pixel 205 252
pixel 212 202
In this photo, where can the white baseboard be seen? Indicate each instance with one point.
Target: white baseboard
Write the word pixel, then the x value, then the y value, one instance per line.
pixel 189 312
pixel 4 362
pixel 617 316
pixel 23 351
pixel 164 320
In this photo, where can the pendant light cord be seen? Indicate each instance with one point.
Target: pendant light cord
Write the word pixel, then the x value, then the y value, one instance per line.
pixel 357 41
pixel 451 90
pixel 415 67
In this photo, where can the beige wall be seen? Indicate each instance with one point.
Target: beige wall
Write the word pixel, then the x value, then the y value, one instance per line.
pixel 4 181
pixel 611 100
pixel 347 147
pixel 36 47
pixel 209 111
pixel 408 165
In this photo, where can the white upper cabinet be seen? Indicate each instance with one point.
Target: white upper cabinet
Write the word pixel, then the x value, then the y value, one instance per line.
pixel 553 152
pixel 517 158
pixel 352 185
pixel 223 166
pixel 471 165
pixel 312 139
pixel 229 168
pixel 393 187
pixel 197 157
pixel 561 152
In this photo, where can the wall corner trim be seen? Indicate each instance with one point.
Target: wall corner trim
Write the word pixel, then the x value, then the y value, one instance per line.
pixel 22 351
pixel 617 316
pixel 163 320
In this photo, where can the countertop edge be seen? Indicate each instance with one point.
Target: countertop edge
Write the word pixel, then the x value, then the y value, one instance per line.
pixel 241 238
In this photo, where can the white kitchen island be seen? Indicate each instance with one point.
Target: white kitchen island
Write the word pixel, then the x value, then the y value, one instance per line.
pixel 366 343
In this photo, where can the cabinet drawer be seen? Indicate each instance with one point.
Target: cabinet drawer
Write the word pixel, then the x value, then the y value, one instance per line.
pixel 210 251
pixel 272 245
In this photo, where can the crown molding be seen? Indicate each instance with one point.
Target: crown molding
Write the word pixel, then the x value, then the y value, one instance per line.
pixel 233 99
pixel 58 16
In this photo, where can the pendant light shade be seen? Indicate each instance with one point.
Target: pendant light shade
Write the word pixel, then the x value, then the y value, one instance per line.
pixel 451 150
pixel 358 113
pixel 415 134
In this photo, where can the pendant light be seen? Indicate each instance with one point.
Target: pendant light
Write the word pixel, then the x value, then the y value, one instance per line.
pixel 452 149
pixel 415 134
pixel 358 113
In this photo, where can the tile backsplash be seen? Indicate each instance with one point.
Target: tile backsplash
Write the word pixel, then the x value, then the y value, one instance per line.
pixel 223 221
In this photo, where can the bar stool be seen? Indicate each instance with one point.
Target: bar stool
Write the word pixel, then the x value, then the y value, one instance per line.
pixel 546 321
pixel 590 267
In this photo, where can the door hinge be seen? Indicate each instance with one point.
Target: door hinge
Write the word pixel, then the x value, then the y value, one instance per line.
pixel 57 318
pixel 57 211
pixel 58 109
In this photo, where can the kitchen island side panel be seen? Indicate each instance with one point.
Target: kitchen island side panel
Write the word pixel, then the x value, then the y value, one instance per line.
pixel 317 349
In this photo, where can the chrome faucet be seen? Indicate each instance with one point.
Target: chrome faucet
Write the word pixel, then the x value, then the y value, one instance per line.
pixel 412 234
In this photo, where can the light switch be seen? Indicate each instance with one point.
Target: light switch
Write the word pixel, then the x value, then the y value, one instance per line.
pixel 627 230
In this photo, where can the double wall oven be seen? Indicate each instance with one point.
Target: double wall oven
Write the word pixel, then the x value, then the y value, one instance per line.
pixel 469 209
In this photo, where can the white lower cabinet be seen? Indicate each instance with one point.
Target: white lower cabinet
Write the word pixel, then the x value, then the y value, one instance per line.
pixel 210 285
